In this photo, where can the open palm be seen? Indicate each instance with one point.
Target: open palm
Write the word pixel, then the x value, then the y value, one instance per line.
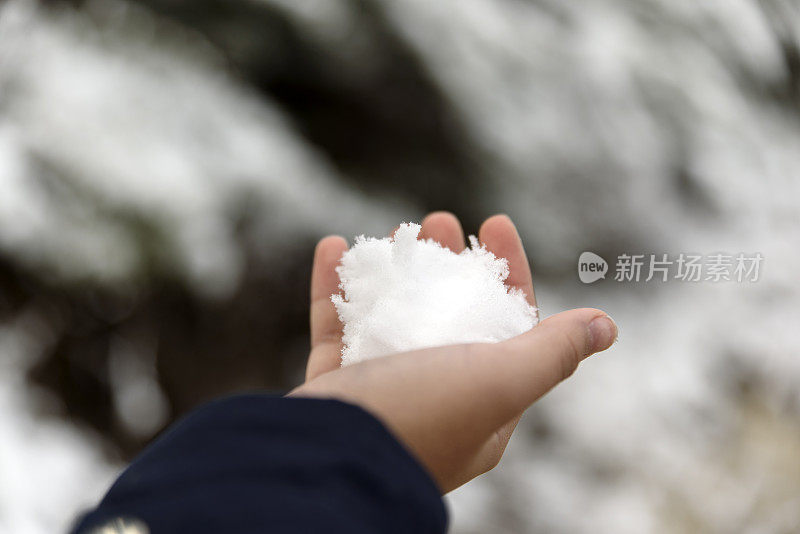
pixel 454 407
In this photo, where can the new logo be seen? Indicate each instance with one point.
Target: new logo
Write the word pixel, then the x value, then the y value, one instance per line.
pixel 591 267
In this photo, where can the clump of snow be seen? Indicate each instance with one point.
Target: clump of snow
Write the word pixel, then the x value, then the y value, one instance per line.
pixel 403 294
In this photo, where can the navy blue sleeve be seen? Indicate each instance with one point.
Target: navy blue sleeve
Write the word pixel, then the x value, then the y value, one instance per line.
pixel 265 464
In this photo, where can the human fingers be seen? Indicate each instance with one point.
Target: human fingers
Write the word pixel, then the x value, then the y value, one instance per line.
pixel 326 329
pixel 444 228
pixel 500 236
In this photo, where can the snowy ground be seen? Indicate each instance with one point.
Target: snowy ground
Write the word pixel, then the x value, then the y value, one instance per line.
pixel 583 112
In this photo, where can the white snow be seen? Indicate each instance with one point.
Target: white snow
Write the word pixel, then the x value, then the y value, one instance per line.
pixel 403 294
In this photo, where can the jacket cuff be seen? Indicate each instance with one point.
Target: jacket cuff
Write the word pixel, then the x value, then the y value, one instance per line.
pixel 274 464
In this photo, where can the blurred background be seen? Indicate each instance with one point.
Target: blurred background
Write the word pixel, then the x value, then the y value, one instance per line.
pixel 166 167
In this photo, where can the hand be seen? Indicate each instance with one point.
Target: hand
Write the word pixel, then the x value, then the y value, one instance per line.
pixel 454 407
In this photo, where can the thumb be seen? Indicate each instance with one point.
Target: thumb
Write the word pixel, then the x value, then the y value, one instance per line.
pixel 467 392
pixel 445 402
pixel 519 371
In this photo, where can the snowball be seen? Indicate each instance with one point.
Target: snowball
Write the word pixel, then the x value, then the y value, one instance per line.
pixel 403 294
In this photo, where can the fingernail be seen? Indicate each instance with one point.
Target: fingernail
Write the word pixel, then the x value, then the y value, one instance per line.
pixel 603 331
